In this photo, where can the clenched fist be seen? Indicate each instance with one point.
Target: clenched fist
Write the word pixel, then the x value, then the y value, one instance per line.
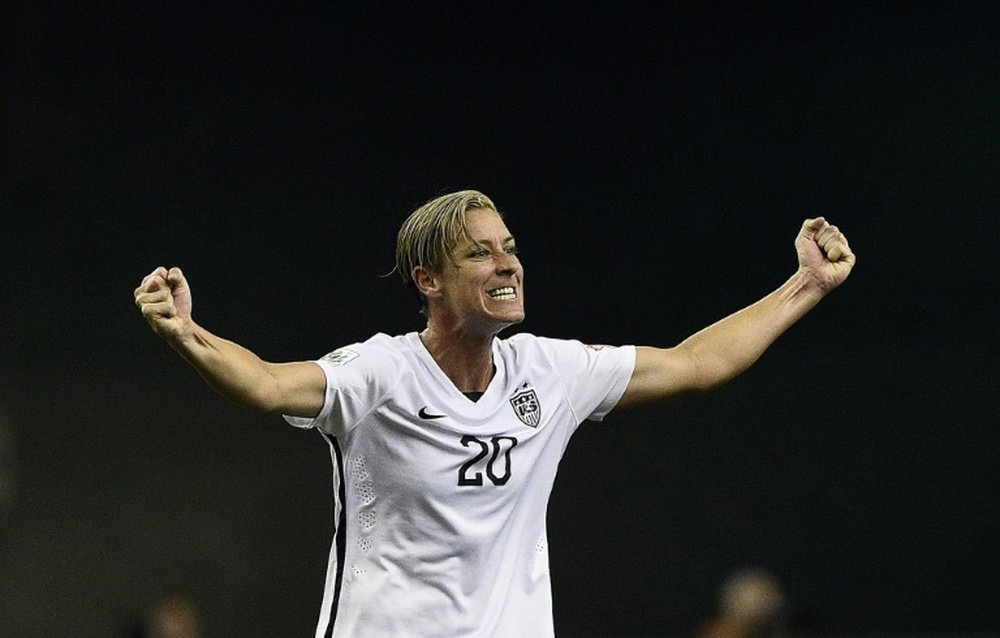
pixel 824 254
pixel 164 298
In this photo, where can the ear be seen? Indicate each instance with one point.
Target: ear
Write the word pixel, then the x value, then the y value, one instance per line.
pixel 426 282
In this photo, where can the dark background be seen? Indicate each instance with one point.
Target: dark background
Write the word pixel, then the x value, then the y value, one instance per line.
pixel 655 162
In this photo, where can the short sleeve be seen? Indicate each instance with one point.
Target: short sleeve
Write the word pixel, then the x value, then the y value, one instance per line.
pixel 594 376
pixel 357 380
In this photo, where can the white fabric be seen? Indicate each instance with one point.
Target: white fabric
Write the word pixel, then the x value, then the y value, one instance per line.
pixel 445 517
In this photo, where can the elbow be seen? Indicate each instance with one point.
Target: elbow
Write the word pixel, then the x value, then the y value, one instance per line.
pixel 683 369
pixel 708 371
pixel 705 381
pixel 259 401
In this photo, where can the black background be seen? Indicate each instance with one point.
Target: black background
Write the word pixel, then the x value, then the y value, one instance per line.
pixel 655 162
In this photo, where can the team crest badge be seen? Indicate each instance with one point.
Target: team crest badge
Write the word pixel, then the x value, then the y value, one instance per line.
pixel 527 408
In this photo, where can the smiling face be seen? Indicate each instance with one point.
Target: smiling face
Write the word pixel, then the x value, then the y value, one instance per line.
pixel 480 290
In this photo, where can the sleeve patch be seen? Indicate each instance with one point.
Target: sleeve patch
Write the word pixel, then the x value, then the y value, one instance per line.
pixel 341 356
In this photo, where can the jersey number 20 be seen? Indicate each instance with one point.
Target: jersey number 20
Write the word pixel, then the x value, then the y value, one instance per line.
pixel 502 445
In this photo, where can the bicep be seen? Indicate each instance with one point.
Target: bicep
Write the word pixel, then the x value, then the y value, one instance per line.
pixel 661 373
pixel 300 388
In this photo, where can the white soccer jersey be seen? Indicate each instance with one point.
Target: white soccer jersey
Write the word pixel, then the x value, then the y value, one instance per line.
pixel 440 501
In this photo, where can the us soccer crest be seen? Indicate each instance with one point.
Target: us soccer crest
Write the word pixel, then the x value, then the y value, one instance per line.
pixel 527 408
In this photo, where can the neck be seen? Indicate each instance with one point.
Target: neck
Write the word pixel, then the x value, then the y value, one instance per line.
pixel 465 359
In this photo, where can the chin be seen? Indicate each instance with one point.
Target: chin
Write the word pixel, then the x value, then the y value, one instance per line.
pixel 513 315
pixel 515 319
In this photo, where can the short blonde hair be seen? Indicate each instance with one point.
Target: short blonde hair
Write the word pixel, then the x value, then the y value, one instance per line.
pixel 430 233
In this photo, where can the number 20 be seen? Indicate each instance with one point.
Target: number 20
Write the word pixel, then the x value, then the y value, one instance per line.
pixel 501 444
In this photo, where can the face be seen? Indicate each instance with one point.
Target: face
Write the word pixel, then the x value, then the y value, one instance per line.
pixel 483 290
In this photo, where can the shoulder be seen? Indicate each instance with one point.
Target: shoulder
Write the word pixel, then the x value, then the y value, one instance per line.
pixel 567 353
pixel 380 343
pixel 523 342
pixel 381 351
pixel 525 347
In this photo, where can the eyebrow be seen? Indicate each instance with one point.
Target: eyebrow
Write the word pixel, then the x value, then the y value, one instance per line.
pixel 505 240
pixel 486 242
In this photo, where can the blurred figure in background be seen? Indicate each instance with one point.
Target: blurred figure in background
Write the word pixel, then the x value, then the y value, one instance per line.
pixel 169 617
pixel 751 604
pixel 7 461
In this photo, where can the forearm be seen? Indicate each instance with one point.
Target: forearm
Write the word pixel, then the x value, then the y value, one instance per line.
pixel 728 347
pixel 230 369
pixel 723 350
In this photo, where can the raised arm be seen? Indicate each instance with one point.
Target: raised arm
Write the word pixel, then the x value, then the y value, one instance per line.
pixel 296 389
pixel 726 348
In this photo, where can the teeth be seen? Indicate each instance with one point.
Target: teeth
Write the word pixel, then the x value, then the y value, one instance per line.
pixel 503 294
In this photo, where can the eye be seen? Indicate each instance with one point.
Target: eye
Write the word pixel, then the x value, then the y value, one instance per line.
pixel 479 253
pixel 511 250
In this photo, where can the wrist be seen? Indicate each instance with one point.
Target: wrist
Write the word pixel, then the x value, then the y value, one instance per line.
pixel 804 287
pixel 184 336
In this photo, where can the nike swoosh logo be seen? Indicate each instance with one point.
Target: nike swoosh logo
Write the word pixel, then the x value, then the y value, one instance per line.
pixel 424 414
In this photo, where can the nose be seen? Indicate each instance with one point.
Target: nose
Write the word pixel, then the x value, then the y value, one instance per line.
pixel 507 263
